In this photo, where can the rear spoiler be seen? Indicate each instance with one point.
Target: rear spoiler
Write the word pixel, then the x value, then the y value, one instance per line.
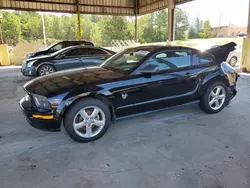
pixel 221 52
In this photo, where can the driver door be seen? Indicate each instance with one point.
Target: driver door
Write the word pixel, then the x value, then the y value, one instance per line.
pixel 69 60
pixel 169 86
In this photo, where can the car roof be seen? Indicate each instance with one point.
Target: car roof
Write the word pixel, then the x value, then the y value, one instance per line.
pixel 162 47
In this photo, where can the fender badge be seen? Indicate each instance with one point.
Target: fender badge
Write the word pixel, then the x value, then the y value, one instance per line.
pixel 124 95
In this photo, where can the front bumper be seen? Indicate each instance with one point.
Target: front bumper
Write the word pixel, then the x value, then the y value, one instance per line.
pixel 29 109
pixel 29 71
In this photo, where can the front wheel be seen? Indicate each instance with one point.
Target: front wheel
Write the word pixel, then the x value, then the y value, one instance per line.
pixel 215 98
pixel 87 120
pixel 46 69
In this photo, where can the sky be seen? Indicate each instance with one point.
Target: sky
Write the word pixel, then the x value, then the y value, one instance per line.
pixel 234 12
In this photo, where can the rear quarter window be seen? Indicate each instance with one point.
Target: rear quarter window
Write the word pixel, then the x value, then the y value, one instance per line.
pixel 203 59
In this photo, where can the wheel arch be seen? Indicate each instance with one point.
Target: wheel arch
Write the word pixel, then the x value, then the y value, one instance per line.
pixel 45 63
pixel 210 79
pixel 69 103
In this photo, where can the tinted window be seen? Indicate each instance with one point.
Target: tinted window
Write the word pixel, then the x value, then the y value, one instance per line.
pixel 203 58
pixel 95 51
pixel 171 59
pixel 128 59
pixel 76 52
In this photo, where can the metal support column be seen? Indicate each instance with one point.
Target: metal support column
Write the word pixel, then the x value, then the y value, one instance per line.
pixel 136 23
pixel 79 31
pixel 245 55
pixel 44 32
pixel 171 20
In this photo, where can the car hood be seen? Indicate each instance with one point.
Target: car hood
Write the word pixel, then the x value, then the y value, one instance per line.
pixel 38 58
pixel 65 81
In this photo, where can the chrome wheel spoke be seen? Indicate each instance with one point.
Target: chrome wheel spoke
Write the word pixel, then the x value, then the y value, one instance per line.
pixel 213 94
pixel 218 91
pixel 95 113
pixel 84 114
pixel 79 125
pixel 89 131
pixel 98 123
pixel 211 102
pixel 217 104
pixel 222 96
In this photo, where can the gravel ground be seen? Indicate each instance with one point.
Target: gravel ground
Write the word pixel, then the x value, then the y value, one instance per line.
pixel 180 148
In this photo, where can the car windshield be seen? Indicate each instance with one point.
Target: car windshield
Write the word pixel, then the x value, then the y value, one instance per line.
pixel 50 46
pixel 60 51
pixel 127 60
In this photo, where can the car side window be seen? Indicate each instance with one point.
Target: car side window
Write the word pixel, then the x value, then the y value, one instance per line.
pixel 95 51
pixel 75 52
pixel 166 60
pixel 57 47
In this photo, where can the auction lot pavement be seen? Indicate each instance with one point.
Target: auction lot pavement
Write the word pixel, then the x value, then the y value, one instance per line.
pixel 181 148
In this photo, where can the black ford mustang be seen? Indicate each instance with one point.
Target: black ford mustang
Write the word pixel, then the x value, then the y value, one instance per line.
pixel 67 58
pixel 134 81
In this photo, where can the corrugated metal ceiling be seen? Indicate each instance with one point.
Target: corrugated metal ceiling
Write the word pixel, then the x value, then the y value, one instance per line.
pixel 109 7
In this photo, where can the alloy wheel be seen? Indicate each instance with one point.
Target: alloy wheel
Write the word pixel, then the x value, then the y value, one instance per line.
pixel 89 121
pixel 46 70
pixel 217 97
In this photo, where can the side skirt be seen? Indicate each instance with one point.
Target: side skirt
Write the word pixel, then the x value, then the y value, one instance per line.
pixel 158 110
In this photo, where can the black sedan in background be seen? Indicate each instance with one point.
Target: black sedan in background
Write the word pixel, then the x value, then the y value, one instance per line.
pixel 67 58
pixel 134 81
pixel 58 46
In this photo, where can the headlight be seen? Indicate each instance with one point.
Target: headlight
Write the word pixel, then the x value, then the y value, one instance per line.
pixel 29 64
pixel 42 102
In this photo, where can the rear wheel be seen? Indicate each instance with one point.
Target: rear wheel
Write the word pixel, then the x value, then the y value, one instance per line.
pixel 46 69
pixel 87 120
pixel 233 61
pixel 215 98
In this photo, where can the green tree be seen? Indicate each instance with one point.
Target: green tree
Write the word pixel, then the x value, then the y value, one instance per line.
pixel 87 26
pixel 11 28
pixel 111 28
pixel 207 30
pixel 181 24
pixel 198 26
pixel 31 25
pixel 192 33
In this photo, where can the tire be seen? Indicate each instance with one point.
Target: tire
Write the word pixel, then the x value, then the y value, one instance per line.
pixel 80 134
pixel 208 96
pixel 233 61
pixel 45 69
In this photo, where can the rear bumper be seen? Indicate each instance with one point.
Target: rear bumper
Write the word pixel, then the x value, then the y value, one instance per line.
pixel 42 124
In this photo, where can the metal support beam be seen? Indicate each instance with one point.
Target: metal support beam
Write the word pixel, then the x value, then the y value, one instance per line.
pixel 136 23
pixel 79 30
pixel 44 32
pixel 245 55
pixel 248 23
pixel 171 20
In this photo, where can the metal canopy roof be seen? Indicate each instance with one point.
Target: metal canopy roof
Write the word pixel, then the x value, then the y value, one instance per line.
pixel 109 7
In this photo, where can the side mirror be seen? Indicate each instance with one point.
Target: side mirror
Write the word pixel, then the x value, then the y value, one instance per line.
pixel 150 68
